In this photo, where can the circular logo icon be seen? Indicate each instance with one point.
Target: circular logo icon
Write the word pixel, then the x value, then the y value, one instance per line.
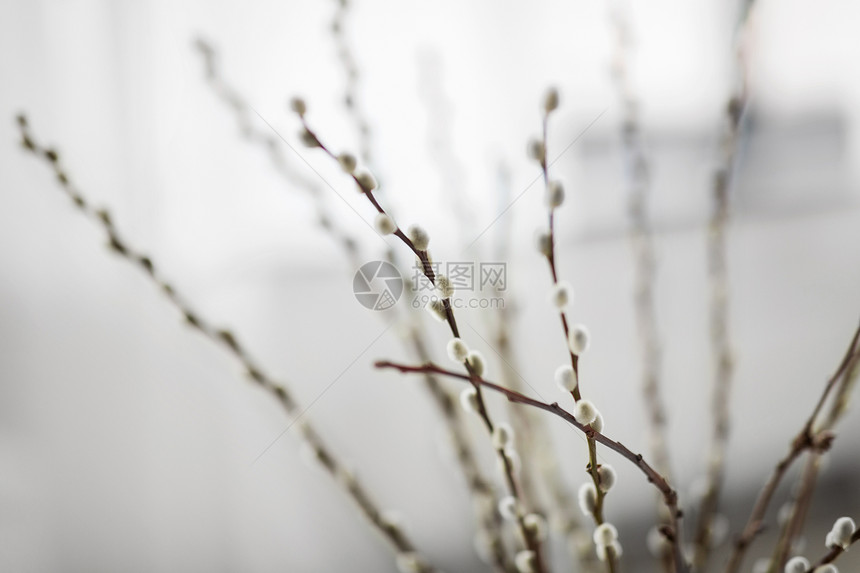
pixel 377 285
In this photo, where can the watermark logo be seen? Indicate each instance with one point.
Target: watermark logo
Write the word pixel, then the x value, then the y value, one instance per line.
pixel 377 285
pixel 470 281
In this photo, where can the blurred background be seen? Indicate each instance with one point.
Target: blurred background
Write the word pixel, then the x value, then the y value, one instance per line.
pixel 129 442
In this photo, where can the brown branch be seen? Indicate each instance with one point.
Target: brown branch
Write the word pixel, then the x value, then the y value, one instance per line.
pixel 350 70
pixel 272 145
pixel 593 465
pixel 807 439
pixel 719 287
pixel 809 478
pixel 834 553
pixel 530 539
pixel 637 172
pixel 670 497
pixel 269 142
pixel 228 341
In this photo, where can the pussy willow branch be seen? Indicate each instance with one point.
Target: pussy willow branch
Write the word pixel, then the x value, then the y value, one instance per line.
pixel 834 553
pixel 809 438
pixel 593 465
pixel 274 147
pixel 653 476
pixel 837 409
pixel 350 69
pixel 638 179
pixel 534 437
pixel 719 311
pixel 799 509
pixel 479 486
pixel 483 492
pixel 533 433
pixel 531 429
pixel 530 539
pixel 228 340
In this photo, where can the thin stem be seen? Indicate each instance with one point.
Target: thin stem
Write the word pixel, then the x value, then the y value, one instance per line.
pixel 228 341
pixel 670 497
pixel 637 172
pixel 806 439
pixel 529 538
pixel 719 306
pixel 350 70
pixel 813 465
pixel 268 141
pixel 834 553
pixel 479 486
pixel 593 466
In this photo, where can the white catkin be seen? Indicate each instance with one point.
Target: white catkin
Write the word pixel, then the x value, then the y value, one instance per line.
pixel 578 339
pixel 597 424
pixel 561 295
pixel 719 530
pixel 476 361
pixel 503 436
pixel 436 308
pixel 509 507
pixel 469 400
pixel 603 550
pixel 536 525
pixel 554 194
pixel 797 565
pixel 785 513
pixel 391 518
pixel 525 561
pixel 605 534
pixel 657 543
pixel 761 565
pixel 842 531
pixel 308 138
pixel 298 105
pixel 365 180
pixel 584 412
pixel 565 378
pixel 457 350
pixel 408 562
pixel 828 568
pixel 384 224
pixel 607 476
pixel 419 237
pixel 513 459
pixel 587 497
pixel 550 100
pixel 347 162
pixel 444 287
pixel 543 240
pixel 537 150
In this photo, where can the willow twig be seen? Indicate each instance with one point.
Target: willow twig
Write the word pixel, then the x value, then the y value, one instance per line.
pixel 807 439
pixel 366 187
pixel 809 477
pixel 638 180
pixel 274 147
pixel 350 70
pixel 478 485
pixel 834 553
pixel 719 306
pixel 670 496
pixel 228 340
pixel 593 465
